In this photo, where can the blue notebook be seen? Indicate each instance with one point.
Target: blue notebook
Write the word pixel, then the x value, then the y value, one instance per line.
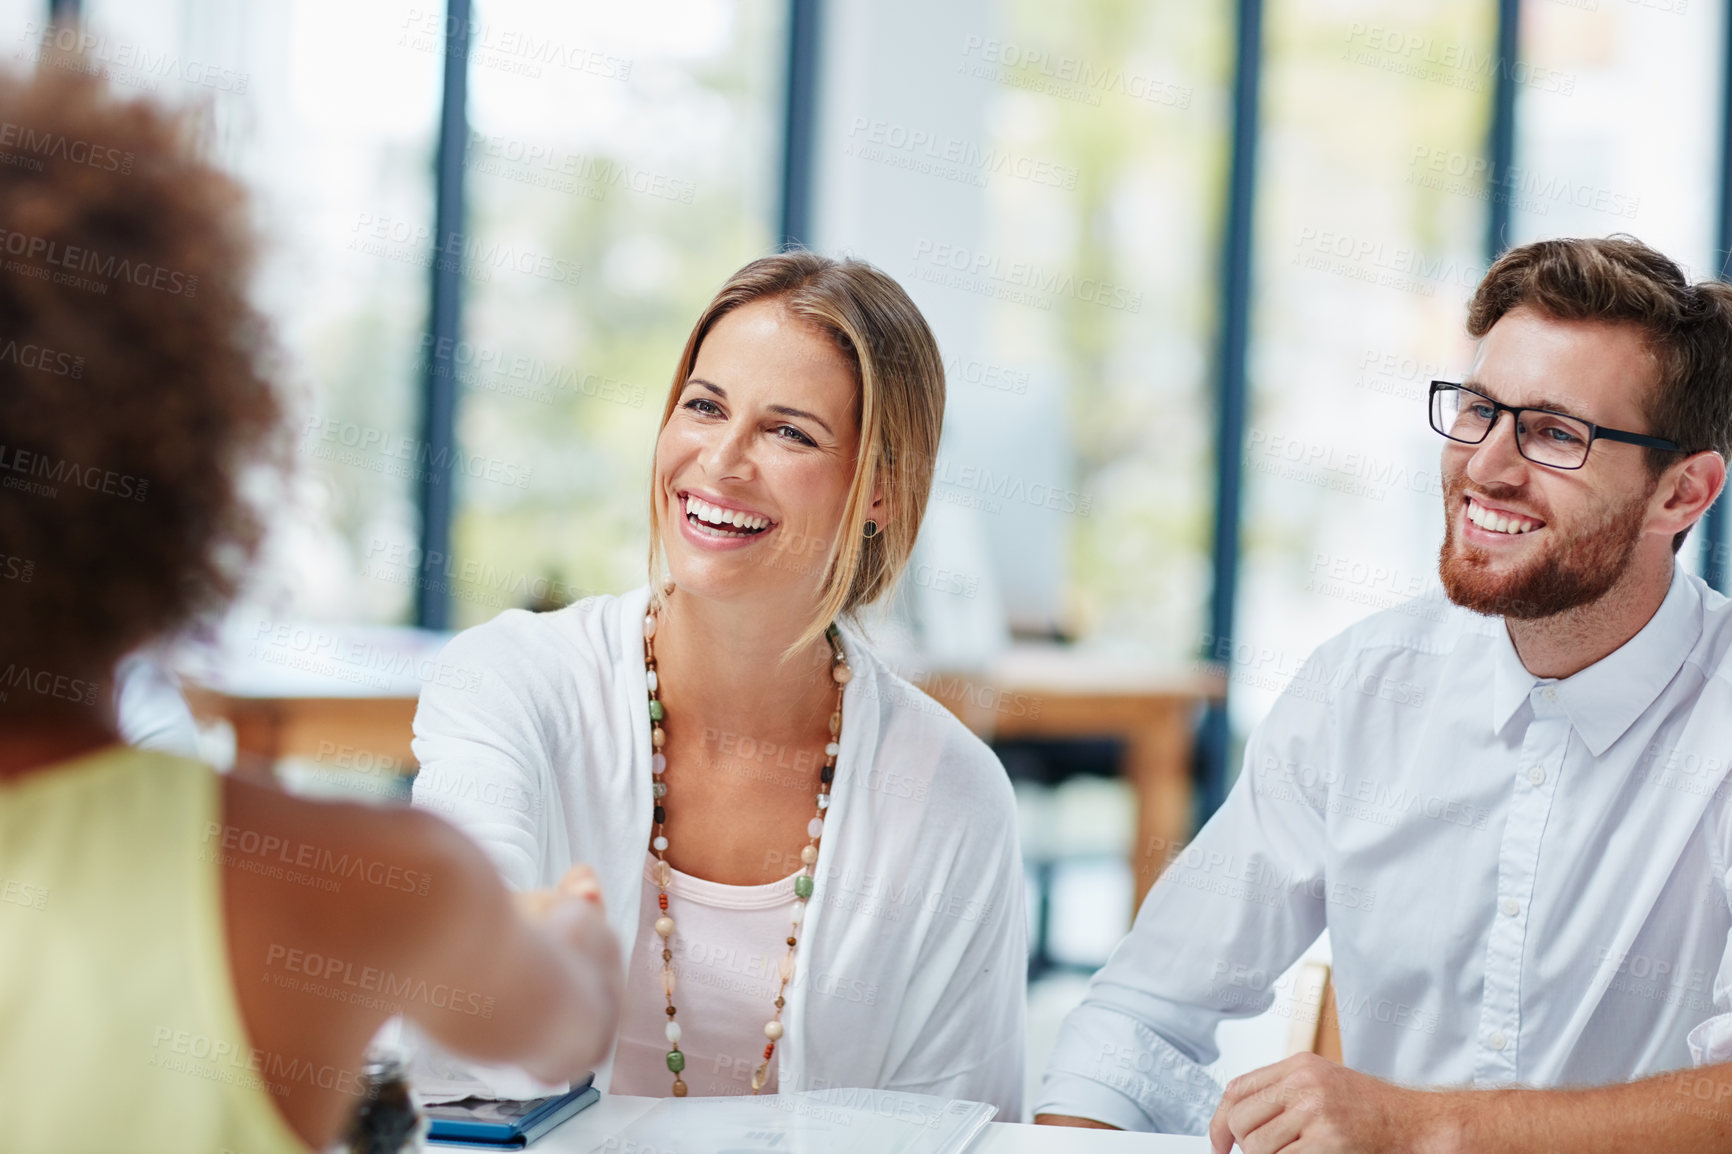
pixel 504 1124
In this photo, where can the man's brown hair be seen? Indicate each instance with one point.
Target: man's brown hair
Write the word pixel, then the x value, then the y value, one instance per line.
pixel 133 381
pixel 1620 280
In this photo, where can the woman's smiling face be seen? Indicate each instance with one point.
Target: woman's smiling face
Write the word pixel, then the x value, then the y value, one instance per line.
pixel 753 466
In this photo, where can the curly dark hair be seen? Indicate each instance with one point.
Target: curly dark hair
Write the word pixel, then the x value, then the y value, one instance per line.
pixel 134 390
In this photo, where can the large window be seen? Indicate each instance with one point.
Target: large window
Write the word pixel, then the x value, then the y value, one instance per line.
pixel 622 162
pixel 1046 181
pixel 1130 105
pixel 328 115
pixel 1628 140
pixel 1370 233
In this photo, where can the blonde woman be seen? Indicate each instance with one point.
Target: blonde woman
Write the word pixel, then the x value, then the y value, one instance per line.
pixel 814 866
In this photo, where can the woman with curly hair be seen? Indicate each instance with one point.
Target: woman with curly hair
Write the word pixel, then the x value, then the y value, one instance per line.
pixel 169 937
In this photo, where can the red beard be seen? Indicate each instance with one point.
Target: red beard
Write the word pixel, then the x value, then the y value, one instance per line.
pixel 1577 565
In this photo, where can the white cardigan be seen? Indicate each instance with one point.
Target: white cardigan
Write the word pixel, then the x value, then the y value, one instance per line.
pixel 912 965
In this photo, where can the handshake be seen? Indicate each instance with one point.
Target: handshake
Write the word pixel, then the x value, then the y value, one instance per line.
pixel 578 885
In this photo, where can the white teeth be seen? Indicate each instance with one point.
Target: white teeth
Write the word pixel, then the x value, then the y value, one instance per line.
pixel 1497 522
pixel 715 515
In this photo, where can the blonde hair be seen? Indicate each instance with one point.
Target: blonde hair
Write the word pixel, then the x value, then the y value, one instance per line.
pixel 900 409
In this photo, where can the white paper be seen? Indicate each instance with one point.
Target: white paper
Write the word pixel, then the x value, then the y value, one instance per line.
pixel 439 1076
pixel 815 1122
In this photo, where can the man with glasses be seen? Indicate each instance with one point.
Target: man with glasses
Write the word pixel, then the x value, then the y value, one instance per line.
pixel 1522 857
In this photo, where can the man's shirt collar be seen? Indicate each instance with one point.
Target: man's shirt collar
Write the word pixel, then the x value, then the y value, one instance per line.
pixel 1606 698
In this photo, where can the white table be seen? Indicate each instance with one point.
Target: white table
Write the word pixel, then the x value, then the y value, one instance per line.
pixel 582 1134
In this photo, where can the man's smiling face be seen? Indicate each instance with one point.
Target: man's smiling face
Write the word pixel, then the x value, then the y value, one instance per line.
pixel 1527 541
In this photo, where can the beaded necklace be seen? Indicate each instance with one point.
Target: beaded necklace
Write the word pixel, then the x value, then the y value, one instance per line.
pixel 803 883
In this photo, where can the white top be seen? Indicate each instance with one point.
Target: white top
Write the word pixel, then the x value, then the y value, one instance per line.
pixel 1523 880
pixel 543 757
pixel 728 944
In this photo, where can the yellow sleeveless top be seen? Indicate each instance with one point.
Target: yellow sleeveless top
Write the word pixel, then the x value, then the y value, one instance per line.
pixel 119 1027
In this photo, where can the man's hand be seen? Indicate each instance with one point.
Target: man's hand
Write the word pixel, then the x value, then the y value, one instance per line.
pixel 1307 1103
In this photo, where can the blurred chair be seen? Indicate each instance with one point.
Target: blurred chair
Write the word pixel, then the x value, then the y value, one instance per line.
pixel 1316 1022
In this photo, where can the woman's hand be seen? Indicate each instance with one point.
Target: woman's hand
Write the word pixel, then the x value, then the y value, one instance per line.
pixel 579 882
pixel 573 916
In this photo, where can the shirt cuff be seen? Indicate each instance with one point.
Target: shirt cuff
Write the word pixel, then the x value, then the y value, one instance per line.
pixel 1711 1041
pixel 1116 1069
pixel 1079 1097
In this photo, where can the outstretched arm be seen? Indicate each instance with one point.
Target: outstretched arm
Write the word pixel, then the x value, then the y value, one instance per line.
pixel 340 916
pixel 546 966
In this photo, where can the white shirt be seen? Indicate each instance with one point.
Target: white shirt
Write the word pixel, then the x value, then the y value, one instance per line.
pixel 728 944
pixel 914 944
pixel 1524 880
pixel 149 710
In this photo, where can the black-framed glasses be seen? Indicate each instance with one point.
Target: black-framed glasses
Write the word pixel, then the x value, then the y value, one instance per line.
pixel 1556 440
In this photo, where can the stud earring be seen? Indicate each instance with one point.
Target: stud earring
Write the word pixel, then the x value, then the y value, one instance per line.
pixel 870 529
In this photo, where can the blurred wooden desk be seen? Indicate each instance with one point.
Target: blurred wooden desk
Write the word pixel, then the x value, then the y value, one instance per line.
pixel 1066 691
pixel 333 730
pixel 343 696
